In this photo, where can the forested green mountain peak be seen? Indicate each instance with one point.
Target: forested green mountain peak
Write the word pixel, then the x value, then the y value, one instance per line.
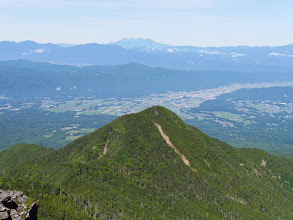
pixel 153 165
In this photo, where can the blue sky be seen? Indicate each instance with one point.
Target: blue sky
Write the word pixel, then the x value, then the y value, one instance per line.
pixel 175 22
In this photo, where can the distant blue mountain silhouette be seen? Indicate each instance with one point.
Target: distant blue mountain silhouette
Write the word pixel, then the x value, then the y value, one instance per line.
pixel 240 58
pixel 20 78
pixel 130 43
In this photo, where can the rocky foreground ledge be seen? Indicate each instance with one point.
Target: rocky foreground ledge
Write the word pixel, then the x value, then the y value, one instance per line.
pixel 16 206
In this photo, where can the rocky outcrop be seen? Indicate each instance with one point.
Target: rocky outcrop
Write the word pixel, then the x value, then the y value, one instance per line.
pixel 16 206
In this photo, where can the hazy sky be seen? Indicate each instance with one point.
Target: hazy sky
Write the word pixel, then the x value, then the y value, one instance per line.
pixel 176 22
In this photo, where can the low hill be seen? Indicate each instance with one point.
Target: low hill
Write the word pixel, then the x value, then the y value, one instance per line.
pixel 22 153
pixel 153 165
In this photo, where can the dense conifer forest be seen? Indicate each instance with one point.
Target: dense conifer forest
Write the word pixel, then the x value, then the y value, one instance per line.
pixel 129 169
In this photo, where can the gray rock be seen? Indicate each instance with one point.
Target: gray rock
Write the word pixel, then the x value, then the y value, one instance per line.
pixel 15 206
pixel 4 215
pixel 2 208
pixel 4 195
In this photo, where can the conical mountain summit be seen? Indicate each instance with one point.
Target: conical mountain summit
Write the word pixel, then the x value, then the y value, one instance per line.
pixel 152 165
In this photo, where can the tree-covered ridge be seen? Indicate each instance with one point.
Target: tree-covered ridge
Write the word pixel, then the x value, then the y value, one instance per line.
pixel 19 78
pixel 21 153
pixel 126 170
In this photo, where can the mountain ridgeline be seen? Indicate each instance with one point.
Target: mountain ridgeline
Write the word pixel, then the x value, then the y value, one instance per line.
pixel 130 43
pixel 150 53
pixel 151 165
pixel 22 78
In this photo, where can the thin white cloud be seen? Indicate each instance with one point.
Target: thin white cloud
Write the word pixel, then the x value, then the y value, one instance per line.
pixel 279 54
pixel 210 52
pixel 274 54
pixel 235 55
pixel 174 50
pixel 39 50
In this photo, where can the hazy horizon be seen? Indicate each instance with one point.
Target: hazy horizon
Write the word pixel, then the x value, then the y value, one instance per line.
pixel 186 22
pixel 76 44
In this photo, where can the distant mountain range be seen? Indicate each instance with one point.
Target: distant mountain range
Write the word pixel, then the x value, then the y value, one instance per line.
pixel 22 78
pixel 148 52
pixel 150 165
pixel 66 45
pixel 130 43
